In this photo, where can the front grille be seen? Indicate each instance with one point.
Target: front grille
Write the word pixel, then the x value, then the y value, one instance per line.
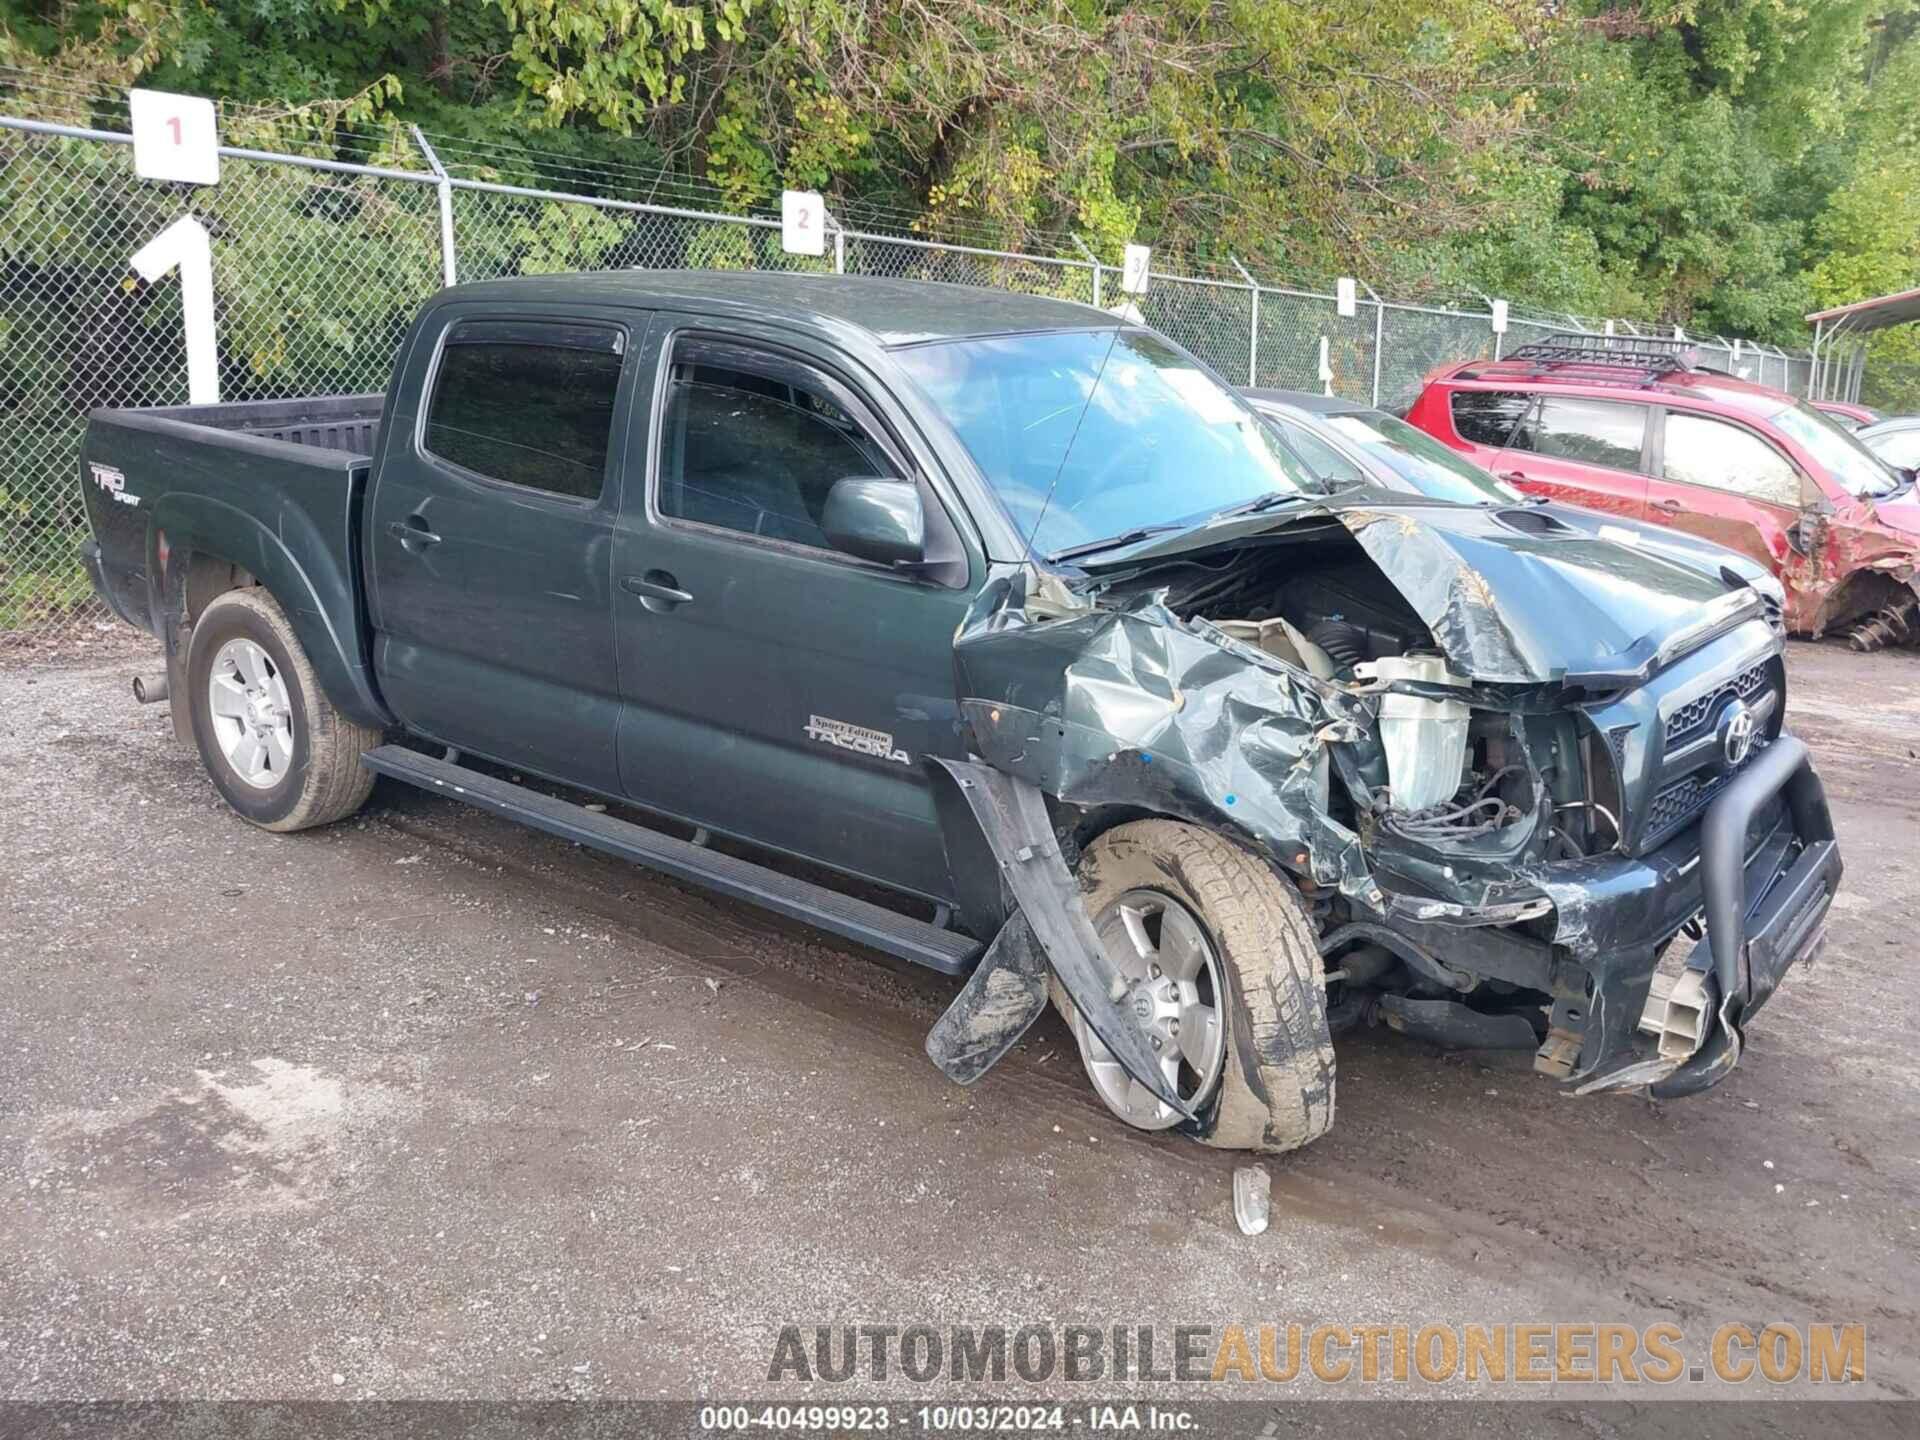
pixel 1692 770
pixel 1694 716
pixel 1675 807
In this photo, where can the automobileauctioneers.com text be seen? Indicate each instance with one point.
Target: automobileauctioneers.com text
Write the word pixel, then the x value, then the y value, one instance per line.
pixel 1547 1352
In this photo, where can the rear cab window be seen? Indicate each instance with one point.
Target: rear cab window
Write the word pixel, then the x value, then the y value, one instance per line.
pixel 527 403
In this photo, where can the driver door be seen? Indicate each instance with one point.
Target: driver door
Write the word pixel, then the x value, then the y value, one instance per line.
pixel 774 688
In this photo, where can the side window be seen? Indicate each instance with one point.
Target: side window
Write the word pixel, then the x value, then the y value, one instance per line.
pixel 1487 417
pixel 530 403
pixel 1589 432
pixel 756 447
pixel 1897 447
pixel 1704 451
pixel 1325 461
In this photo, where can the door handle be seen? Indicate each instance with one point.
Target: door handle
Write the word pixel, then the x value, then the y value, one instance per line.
pixel 658 590
pixel 1666 507
pixel 413 532
pixel 1513 475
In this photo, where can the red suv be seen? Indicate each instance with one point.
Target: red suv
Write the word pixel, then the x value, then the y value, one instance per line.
pixel 1636 429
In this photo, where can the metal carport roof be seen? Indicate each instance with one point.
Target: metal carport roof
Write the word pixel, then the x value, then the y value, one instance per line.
pixel 1835 378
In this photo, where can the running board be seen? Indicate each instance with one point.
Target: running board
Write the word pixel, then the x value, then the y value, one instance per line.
pixel 815 905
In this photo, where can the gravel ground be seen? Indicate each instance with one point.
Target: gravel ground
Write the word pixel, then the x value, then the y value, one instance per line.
pixel 424 1105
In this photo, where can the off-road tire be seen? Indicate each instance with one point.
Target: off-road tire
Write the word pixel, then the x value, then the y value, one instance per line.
pixel 325 780
pixel 1276 1088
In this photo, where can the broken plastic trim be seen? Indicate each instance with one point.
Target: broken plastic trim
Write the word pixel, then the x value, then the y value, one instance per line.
pixel 1002 998
pixel 1013 817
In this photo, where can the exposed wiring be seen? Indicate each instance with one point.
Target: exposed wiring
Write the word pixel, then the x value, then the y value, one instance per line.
pixel 1481 815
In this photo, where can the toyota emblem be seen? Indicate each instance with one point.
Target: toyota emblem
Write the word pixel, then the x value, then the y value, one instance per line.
pixel 1736 734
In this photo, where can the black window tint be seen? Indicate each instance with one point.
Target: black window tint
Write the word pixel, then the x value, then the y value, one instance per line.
pixel 758 455
pixel 1704 451
pixel 1487 417
pixel 1591 432
pixel 528 404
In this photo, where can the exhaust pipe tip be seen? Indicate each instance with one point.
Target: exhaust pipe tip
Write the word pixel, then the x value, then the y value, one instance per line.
pixel 150 689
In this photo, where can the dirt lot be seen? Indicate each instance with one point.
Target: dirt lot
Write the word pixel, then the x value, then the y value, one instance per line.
pixel 424 1105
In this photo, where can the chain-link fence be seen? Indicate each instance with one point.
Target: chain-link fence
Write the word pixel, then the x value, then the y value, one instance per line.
pixel 319 265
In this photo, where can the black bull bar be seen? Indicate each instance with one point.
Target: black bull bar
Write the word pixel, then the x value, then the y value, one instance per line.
pixel 1756 931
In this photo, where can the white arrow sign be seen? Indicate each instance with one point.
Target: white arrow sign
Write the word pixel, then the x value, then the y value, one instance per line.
pixel 184 244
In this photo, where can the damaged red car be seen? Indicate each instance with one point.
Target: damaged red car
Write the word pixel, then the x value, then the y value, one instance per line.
pixel 1635 428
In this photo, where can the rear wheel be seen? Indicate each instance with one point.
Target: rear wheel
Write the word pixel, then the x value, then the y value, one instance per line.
pixel 273 744
pixel 1223 974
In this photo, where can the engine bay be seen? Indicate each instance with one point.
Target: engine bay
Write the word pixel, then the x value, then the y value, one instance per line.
pixel 1451 764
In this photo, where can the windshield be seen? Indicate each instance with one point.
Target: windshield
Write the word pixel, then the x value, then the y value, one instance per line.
pixel 1420 460
pixel 1851 464
pixel 1162 442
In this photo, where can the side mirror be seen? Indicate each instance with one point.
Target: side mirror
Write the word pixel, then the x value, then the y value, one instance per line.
pixel 878 520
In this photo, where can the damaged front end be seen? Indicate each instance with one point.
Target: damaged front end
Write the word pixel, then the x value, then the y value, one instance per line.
pixel 1505 769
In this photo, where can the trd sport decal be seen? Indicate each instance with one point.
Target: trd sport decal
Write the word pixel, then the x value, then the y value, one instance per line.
pixel 858 738
pixel 113 483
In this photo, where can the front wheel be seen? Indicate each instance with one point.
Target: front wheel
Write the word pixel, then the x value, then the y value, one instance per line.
pixel 273 744
pixel 1224 975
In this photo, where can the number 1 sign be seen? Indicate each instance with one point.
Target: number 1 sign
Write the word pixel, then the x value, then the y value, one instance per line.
pixel 175 137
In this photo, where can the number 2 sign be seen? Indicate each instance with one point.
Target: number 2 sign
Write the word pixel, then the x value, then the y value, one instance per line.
pixel 175 137
pixel 803 228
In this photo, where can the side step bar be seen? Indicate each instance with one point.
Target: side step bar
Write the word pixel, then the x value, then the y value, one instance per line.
pixel 815 905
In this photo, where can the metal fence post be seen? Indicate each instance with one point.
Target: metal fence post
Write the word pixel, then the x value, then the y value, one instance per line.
pixel 1488 299
pixel 1379 338
pixel 1253 325
pixel 449 268
pixel 1093 260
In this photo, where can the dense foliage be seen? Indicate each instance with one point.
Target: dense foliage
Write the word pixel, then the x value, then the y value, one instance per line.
pixel 1723 164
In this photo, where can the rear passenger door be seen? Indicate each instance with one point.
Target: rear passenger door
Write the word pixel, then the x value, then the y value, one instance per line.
pixel 490 537
pixel 1586 452
pixel 775 688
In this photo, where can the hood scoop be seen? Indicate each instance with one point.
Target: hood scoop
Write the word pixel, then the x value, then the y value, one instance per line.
pixel 1534 522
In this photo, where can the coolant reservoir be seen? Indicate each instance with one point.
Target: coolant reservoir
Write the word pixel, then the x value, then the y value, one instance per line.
pixel 1425 740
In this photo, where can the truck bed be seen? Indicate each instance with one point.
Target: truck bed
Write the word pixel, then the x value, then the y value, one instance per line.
pixel 349 424
pixel 272 485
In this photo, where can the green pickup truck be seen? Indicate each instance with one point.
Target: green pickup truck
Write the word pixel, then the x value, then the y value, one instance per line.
pixel 1015 616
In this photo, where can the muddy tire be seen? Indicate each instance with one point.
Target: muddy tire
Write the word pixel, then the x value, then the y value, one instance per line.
pixel 1274 1091
pixel 273 744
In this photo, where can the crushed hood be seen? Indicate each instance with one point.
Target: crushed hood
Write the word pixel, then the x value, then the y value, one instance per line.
pixel 1508 604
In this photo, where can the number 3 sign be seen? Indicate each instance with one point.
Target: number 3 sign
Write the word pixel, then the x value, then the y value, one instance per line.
pixel 175 137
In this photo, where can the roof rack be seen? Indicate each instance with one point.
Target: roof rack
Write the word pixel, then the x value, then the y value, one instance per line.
pixel 1654 357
